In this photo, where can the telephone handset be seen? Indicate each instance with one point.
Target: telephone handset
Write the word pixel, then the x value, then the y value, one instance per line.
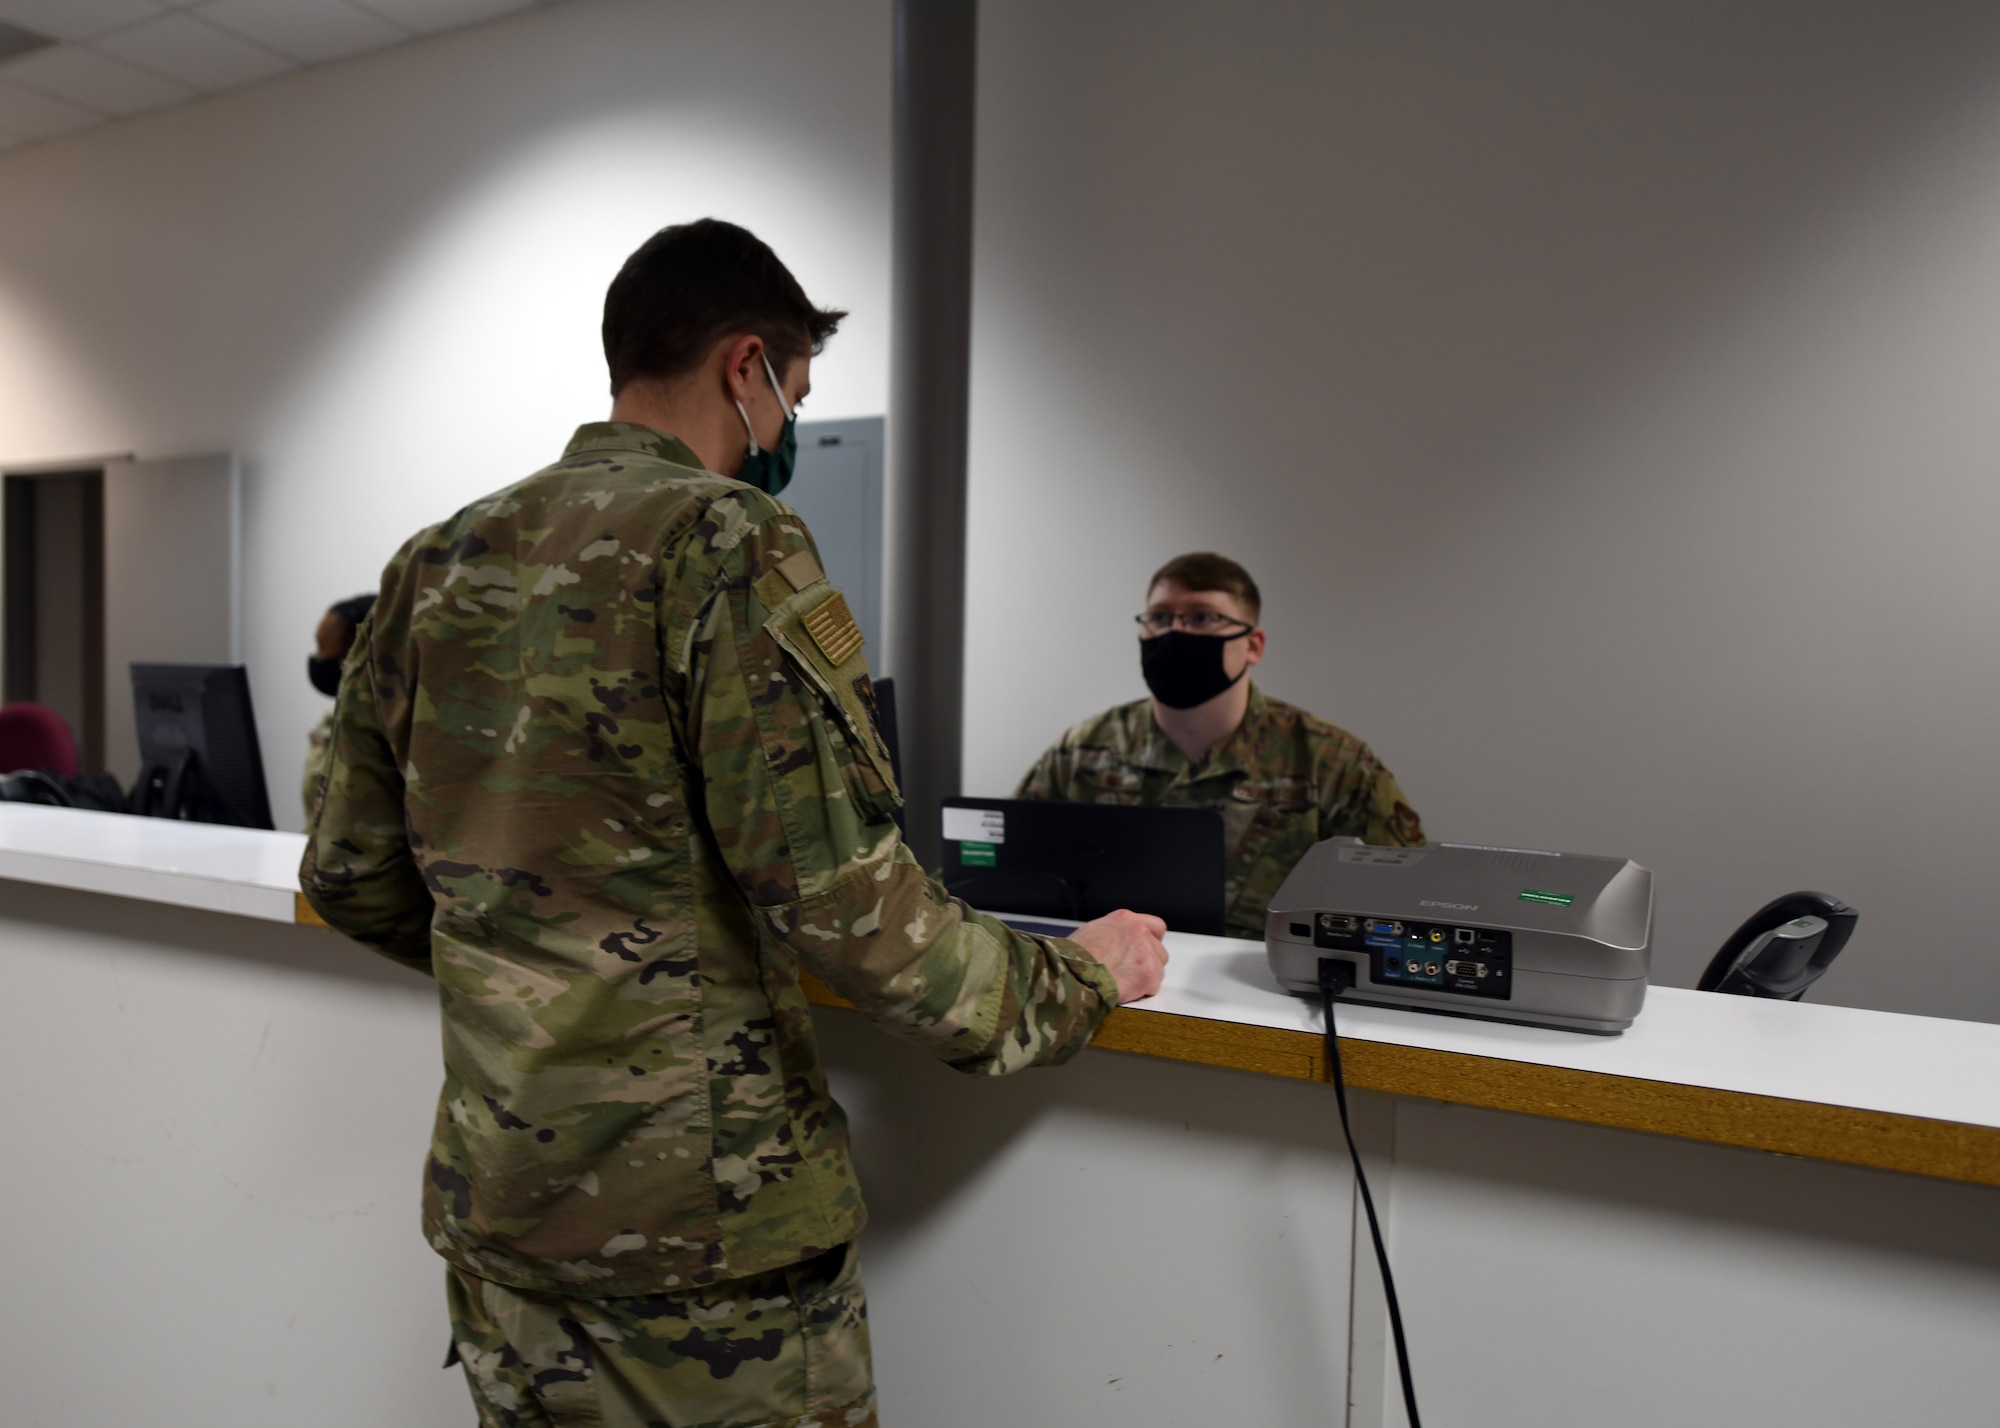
pixel 1782 949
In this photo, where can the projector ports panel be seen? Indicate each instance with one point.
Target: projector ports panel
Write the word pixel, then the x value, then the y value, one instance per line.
pixel 1423 956
pixel 1338 930
pixel 1440 957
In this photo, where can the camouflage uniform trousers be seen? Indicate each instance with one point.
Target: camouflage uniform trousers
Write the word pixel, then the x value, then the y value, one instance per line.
pixel 783 1349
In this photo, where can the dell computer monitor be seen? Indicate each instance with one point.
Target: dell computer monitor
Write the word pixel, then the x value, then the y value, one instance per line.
pixel 198 750
pixel 1078 861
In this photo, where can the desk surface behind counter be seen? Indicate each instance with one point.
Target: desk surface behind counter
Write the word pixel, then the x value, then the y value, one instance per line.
pixel 1881 1089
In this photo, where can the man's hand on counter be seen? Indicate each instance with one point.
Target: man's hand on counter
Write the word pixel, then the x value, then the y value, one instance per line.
pixel 1128 944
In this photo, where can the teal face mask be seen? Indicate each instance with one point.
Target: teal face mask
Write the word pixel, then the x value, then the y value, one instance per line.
pixel 771 471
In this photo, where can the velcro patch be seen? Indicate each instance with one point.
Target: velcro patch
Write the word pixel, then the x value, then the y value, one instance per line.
pixel 800 570
pixel 831 625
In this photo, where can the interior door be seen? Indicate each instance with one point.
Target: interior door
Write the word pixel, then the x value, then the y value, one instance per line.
pixel 54 594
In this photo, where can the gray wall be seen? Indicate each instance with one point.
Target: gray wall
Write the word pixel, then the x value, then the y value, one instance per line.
pixel 838 490
pixel 1601 393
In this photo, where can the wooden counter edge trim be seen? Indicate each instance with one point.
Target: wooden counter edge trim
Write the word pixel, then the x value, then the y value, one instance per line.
pixel 1877 1140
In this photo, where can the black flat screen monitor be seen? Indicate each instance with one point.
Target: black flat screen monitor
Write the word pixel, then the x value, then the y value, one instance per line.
pixel 198 751
pixel 1082 860
pixel 885 712
pixel 885 708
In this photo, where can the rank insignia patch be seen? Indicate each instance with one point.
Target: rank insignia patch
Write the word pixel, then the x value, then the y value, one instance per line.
pixel 832 628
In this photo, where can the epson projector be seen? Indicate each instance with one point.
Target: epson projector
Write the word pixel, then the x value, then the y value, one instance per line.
pixel 1549 939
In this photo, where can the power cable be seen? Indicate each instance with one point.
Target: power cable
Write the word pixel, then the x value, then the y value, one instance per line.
pixel 1335 977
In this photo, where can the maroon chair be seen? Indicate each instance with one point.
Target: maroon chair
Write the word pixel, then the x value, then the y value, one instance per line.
pixel 34 736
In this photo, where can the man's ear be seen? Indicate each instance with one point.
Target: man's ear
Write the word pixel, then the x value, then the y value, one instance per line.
pixel 1253 646
pixel 742 362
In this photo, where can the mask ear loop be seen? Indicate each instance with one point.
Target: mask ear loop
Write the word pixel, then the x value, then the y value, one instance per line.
pixel 1243 673
pixel 776 391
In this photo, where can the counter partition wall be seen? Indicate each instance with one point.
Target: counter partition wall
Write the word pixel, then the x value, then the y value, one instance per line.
pixel 1737 1211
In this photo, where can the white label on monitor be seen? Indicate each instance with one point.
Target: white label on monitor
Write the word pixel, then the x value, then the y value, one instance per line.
pixel 975 825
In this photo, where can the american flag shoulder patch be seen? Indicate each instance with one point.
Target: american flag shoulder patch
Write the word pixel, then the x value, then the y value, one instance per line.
pixel 831 625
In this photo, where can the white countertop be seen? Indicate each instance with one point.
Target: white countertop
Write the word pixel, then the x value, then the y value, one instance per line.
pixel 1842 1056
pixel 246 871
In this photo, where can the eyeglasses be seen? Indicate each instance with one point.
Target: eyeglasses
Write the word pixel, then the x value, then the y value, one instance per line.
pixel 1195 622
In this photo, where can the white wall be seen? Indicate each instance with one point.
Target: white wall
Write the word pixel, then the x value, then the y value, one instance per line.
pixel 1554 1274
pixel 1603 396
pixel 1127 1243
pixel 380 282
pixel 1120 1242
pixel 219 1128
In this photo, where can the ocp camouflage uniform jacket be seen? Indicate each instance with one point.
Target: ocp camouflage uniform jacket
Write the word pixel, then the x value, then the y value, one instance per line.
pixel 1283 781
pixel 604 763
pixel 317 744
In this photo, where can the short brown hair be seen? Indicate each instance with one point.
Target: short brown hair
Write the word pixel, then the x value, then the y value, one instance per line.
pixel 1205 570
pixel 692 285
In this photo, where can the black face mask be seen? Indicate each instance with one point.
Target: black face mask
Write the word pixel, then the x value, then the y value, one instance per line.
pixel 325 675
pixel 1184 670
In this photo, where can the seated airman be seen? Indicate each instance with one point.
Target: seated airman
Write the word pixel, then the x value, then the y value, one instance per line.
pixel 1208 737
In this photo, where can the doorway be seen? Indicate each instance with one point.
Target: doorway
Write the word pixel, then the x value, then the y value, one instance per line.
pixel 53 622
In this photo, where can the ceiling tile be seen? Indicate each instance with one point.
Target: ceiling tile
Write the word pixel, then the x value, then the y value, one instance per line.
pixel 195 53
pixel 95 81
pixel 431 16
pixel 22 111
pixel 309 31
pixel 78 19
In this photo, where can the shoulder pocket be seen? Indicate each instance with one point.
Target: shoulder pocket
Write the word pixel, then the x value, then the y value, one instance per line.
pixel 817 632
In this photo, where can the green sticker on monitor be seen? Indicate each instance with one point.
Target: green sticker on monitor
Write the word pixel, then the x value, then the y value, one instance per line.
pixel 978 855
pixel 1552 899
